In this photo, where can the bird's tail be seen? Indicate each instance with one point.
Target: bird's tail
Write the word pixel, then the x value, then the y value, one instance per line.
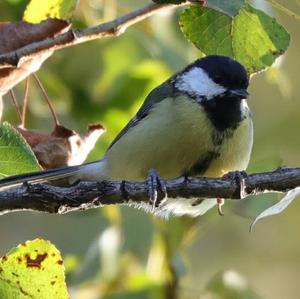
pixel 63 175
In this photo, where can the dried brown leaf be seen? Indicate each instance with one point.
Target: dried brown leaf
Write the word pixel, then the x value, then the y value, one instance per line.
pixel 16 35
pixel 63 147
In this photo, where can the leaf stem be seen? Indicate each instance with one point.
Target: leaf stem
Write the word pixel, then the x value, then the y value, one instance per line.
pixel 54 115
pixel 15 103
pixel 25 103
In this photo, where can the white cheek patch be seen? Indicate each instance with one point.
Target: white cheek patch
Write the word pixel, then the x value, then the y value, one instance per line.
pixel 197 82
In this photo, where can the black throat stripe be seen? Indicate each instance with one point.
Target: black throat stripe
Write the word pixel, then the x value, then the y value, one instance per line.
pixel 224 112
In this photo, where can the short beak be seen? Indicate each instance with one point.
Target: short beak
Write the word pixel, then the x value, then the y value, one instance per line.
pixel 239 93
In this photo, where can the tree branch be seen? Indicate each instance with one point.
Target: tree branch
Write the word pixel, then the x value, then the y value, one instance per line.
pixel 87 195
pixel 78 36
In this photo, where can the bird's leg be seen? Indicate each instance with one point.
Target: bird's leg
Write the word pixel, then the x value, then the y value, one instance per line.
pixel 220 203
pixel 239 178
pixel 155 183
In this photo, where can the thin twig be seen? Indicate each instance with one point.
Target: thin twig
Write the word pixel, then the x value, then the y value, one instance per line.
pixel 87 195
pixel 55 118
pixel 73 37
pixel 25 102
pixel 284 9
pixel 15 103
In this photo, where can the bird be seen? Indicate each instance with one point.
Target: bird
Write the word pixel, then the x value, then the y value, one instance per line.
pixel 196 123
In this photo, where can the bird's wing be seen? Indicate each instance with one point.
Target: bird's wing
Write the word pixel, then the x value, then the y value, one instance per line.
pixel 155 96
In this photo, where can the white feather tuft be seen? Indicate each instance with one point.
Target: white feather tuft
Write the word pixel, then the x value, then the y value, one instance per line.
pixel 176 207
pixel 181 206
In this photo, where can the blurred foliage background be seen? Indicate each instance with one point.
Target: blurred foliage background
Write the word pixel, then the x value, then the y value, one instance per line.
pixel 124 253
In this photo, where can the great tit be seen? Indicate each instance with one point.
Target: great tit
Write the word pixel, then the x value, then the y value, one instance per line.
pixel 197 123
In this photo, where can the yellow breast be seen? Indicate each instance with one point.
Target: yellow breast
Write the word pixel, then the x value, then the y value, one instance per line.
pixel 171 139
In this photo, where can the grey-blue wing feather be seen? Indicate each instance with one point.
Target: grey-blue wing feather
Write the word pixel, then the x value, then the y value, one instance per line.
pixel 155 96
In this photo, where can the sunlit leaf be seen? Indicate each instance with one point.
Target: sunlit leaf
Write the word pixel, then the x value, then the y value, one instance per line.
pixel 33 270
pixel 208 29
pixel 15 154
pixel 37 10
pixel 251 37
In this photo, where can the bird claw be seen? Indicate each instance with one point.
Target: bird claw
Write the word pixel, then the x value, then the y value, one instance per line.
pixel 155 183
pixel 239 178
pixel 26 185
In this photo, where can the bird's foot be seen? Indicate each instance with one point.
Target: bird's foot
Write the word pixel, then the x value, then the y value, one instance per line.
pixel 26 185
pixel 238 177
pixel 155 184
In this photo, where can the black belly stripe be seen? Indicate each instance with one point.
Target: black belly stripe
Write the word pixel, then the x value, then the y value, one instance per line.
pixel 219 136
pixel 202 165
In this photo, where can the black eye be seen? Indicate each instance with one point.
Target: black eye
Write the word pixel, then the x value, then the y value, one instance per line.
pixel 218 79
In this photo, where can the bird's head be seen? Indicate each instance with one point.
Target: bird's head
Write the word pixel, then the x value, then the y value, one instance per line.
pixel 213 76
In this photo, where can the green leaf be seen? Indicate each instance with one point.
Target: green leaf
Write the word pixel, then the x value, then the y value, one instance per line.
pixel 208 29
pixel 33 270
pixel 37 10
pixel 258 39
pixel 16 156
pixel 251 37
